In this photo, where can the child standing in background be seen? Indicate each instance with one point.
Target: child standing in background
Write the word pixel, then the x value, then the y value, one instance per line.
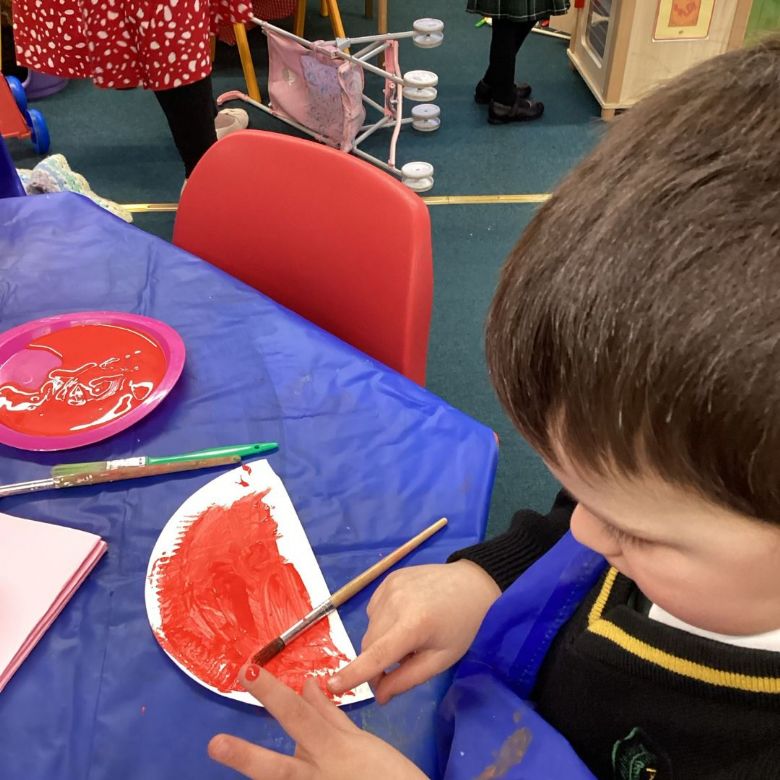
pixel 512 21
pixel 122 44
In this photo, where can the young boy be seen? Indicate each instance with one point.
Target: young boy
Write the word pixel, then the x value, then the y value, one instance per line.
pixel 635 341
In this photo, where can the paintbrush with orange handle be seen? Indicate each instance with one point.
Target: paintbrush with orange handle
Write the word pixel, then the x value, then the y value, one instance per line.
pixel 343 594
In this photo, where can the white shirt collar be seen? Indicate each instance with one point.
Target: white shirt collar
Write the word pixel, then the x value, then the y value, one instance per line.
pixel 768 641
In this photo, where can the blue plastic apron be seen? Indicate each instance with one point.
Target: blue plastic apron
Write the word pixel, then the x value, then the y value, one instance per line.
pixel 487 726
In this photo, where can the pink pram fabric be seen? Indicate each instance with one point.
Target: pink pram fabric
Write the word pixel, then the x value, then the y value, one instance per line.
pixel 316 90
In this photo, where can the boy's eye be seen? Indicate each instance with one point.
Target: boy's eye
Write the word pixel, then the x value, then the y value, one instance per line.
pixel 623 537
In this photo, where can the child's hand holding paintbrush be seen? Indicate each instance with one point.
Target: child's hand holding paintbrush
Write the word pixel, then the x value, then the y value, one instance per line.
pixel 423 617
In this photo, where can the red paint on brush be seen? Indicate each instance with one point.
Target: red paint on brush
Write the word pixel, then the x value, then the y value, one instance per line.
pixel 104 372
pixel 226 592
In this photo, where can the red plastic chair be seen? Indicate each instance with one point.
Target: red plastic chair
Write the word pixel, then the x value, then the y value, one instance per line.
pixel 329 236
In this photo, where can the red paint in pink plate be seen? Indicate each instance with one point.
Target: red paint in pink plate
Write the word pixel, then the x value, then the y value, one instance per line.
pixel 226 591
pixel 75 379
pixel 104 372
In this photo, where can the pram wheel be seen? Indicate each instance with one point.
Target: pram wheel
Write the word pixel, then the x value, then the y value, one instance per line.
pixel 425 117
pixel 420 85
pixel 420 78
pixel 417 176
pixel 429 33
pixel 425 95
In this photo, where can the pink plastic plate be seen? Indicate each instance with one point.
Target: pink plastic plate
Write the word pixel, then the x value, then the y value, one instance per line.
pixel 37 379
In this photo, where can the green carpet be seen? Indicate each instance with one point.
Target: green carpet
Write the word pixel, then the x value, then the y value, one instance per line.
pixel 120 142
pixel 470 243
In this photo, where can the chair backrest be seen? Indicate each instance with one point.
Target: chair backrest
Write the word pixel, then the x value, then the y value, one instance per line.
pixel 10 186
pixel 329 236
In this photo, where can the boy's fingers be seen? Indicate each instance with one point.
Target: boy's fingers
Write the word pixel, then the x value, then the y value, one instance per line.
pixel 256 762
pixel 415 669
pixel 296 716
pixel 371 662
pixel 376 599
pixel 313 694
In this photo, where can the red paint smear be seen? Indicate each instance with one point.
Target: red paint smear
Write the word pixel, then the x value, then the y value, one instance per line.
pixel 226 592
pixel 105 371
pixel 241 480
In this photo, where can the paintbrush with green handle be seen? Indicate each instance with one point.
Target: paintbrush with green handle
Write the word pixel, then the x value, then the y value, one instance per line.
pixel 275 646
pixel 114 475
pixel 238 451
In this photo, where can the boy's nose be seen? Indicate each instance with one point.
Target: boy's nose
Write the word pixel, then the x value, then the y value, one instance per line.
pixel 587 529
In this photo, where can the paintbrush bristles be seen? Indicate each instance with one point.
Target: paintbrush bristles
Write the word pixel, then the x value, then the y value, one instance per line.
pixel 271 650
pixel 346 592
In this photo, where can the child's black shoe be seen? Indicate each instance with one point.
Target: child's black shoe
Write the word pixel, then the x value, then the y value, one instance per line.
pixel 483 93
pixel 523 110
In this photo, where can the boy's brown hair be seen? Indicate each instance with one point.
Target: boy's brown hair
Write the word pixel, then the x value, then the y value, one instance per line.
pixel 636 323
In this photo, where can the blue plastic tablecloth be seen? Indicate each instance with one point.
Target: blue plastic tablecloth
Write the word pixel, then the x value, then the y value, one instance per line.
pixel 367 457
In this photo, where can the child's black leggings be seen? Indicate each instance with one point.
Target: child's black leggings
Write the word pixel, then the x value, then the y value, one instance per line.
pixel 508 37
pixel 190 111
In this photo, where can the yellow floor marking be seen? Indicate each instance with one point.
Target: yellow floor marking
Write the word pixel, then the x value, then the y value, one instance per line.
pixel 432 200
pixel 460 200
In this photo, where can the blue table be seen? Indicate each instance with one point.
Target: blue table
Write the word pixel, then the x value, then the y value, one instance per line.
pixel 364 452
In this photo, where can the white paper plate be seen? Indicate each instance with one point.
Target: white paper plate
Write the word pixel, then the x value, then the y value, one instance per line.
pixel 293 545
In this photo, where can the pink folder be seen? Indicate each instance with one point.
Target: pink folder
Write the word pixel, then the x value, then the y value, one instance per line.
pixel 41 566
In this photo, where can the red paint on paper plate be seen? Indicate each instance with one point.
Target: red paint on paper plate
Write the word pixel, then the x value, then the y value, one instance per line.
pixel 226 592
pixel 101 372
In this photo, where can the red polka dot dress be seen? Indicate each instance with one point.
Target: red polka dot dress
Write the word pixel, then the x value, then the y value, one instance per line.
pixel 123 43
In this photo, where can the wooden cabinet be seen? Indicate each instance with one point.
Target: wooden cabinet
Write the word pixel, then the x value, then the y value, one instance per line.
pixel 625 48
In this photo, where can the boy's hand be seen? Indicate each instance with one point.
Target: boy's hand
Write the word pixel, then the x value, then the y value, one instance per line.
pixel 329 745
pixel 423 618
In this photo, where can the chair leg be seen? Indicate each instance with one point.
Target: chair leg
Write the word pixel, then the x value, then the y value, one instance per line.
pixel 335 18
pixel 381 22
pixel 253 90
pixel 369 9
pixel 300 18
pixel 323 7
pixel 213 48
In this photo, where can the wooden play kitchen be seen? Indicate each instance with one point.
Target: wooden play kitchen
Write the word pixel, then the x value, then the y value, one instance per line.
pixel 625 48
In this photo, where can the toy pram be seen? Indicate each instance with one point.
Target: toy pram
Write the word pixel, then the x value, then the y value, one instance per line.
pixel 318 89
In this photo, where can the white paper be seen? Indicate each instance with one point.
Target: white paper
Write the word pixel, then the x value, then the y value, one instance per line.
pixel 292 543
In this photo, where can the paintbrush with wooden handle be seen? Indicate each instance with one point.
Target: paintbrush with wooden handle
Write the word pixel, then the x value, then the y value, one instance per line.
pixel 274 647
pixel 113 475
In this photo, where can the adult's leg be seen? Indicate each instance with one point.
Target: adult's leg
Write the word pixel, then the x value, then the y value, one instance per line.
pixel 190 111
